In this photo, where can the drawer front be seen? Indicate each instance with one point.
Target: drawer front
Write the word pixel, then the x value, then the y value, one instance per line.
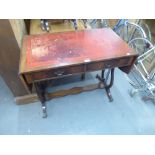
pixel 60 72
pixel 54 73
pixel 109 64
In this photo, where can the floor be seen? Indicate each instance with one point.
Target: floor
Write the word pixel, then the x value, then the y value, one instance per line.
pixel 85 113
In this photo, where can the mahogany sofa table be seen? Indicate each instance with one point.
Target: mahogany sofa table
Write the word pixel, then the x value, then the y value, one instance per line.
pixel 53 56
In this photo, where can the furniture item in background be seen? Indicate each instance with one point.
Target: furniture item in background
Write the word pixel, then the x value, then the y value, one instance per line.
pixel 142 74
pixel 46 23
pixel 11 34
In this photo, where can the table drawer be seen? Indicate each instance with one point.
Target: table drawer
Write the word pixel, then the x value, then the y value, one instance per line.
pixel 109 64
pixel 54 73
pixel 69 70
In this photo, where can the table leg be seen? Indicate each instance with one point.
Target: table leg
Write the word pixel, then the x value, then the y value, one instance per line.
pixel 102 74
pixel 83 76
pixel 40 90
pixel 105 84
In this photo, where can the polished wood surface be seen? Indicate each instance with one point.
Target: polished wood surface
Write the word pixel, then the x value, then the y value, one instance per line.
pixel 50 51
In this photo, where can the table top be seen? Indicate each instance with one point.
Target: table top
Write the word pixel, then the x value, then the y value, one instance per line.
pixel 45 51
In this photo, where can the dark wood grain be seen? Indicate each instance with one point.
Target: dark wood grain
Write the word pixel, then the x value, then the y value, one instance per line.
pixel 60 93
pixel 9 59
pixel 77 69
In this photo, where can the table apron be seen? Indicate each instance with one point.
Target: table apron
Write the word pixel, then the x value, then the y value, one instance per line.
pixel 77 69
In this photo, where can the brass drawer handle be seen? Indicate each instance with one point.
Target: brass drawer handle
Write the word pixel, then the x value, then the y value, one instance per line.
pixel 59 73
